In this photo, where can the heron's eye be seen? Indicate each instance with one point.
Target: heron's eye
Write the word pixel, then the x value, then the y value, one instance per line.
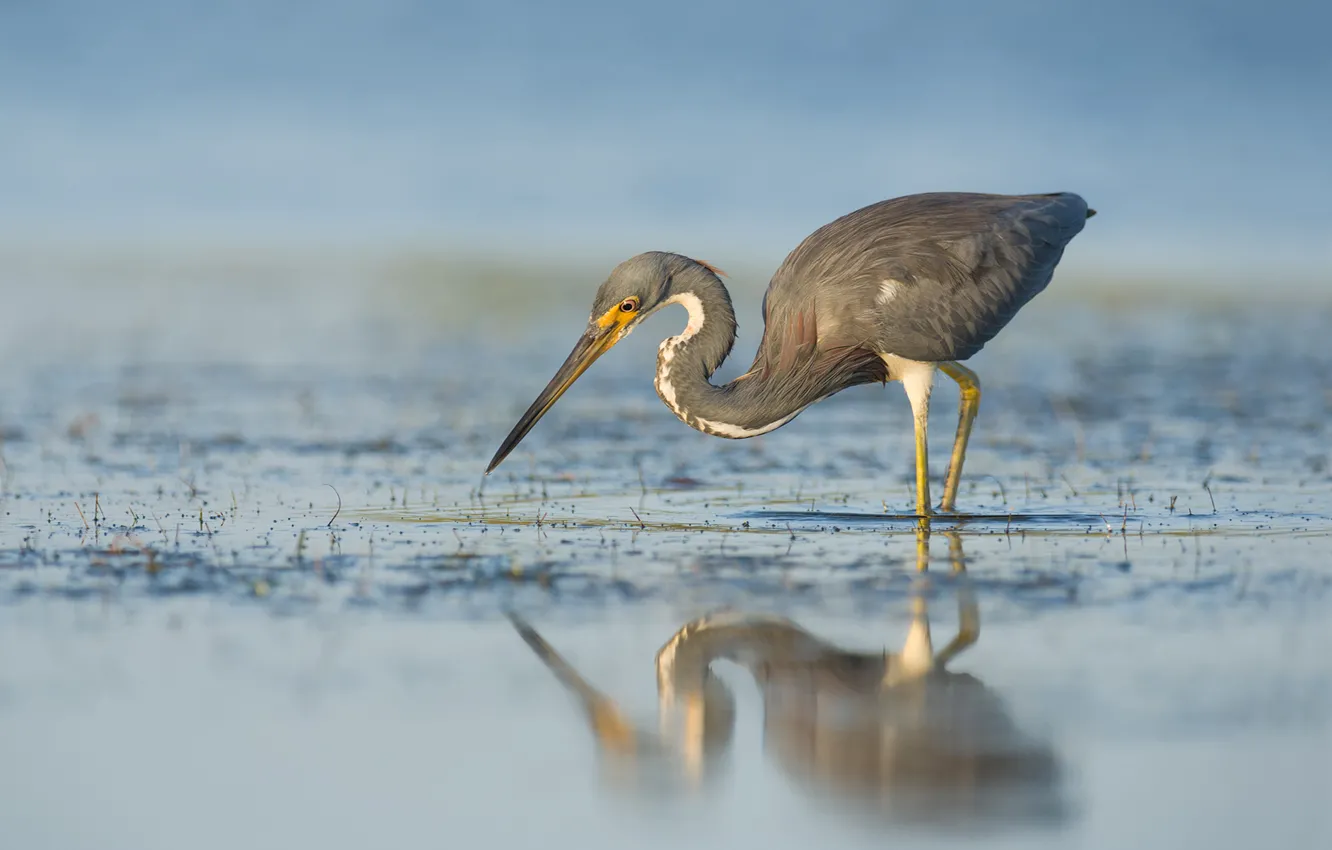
pixel 628 305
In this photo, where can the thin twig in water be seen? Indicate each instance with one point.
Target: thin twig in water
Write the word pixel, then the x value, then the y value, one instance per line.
pixel 81 516
pixel 641 524
pixel 1071 488
pixel 339 509
pixel 1208 487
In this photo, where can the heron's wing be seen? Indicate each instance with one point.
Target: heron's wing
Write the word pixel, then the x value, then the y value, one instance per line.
pixel 927 277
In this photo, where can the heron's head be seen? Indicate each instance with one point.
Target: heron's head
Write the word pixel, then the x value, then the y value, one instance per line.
pixel 636 289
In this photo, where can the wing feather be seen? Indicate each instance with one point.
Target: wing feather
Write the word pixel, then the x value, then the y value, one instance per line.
pixel 960 265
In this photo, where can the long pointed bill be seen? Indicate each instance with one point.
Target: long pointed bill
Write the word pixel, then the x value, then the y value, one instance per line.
pixel 594 343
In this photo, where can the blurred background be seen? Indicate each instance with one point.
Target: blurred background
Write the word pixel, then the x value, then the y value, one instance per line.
pixel 582 132
pixel 277 277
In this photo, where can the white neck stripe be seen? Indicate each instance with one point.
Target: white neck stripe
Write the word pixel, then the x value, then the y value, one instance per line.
pixel 665 389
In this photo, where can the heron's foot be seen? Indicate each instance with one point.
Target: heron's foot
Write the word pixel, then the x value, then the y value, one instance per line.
pixel 923 517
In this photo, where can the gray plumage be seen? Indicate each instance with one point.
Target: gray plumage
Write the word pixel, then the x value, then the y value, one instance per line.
pixel 879 294
pixel 658 276
pixel 966 264
pixel 961 266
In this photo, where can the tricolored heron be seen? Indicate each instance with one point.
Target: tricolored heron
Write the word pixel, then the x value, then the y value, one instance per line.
pixel 890 292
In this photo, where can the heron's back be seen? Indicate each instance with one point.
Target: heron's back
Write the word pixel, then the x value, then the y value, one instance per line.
pixel 929 277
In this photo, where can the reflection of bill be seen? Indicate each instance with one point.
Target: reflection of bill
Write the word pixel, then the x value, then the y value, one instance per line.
pixel 896 731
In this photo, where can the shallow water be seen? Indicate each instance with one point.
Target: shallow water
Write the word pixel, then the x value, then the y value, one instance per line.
pixel 254 588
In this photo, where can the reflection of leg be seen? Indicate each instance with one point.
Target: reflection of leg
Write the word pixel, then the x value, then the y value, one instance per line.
pixel 968 612
pixel 969 384
pixel 917 656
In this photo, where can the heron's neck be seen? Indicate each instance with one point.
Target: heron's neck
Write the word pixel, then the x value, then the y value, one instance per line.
pixel 746 407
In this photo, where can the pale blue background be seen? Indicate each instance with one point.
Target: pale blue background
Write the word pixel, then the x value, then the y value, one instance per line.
pixel 1200 130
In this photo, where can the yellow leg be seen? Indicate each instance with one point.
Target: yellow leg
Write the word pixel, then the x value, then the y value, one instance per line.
pixel 922 470
pixel 918 379
pixel 923 548
pixel 969 384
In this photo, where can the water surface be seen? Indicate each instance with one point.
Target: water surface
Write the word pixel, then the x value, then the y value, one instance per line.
pixel 254 588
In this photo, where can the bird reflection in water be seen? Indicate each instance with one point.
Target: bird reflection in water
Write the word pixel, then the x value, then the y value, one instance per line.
pixel 897 733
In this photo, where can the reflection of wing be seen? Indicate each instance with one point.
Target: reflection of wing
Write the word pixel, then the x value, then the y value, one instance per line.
pixel 942 746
